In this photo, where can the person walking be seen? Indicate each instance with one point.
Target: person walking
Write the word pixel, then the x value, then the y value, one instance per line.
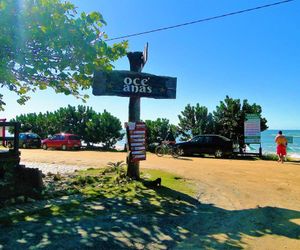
pixel 281 142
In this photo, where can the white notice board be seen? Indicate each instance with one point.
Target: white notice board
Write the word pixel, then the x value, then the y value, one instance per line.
pixel 252 129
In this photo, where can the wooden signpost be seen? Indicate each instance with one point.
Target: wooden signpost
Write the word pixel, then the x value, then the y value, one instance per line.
pixel 129 84
pixel 134 84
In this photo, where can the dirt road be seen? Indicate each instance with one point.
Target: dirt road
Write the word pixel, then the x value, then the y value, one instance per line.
pixel 232 185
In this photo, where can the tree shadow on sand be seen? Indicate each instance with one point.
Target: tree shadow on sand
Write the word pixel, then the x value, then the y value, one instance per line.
pixel 159 219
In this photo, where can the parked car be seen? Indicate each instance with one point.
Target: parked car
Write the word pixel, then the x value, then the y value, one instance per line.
pixel 62 141
pixel 27 140
pixel 216 145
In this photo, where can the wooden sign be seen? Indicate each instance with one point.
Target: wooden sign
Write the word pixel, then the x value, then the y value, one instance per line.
pixel 136 140
pixel 134 84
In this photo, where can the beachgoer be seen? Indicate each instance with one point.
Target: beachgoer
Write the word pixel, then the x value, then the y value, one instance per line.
pixel 281 142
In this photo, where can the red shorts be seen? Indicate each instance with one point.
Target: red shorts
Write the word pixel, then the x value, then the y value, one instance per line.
pixel 281 149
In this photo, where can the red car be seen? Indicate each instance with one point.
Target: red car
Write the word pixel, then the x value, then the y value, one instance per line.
pixel 62 141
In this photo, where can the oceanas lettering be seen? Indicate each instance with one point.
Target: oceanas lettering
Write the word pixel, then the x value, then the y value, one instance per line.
pixel 136 85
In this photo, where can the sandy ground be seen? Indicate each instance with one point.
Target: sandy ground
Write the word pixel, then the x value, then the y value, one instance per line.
pixel 228 184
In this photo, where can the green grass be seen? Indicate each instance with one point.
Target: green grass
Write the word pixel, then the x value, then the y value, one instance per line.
pixel 274 157
pixel 171 181
pixel 109 186
pixel 90 171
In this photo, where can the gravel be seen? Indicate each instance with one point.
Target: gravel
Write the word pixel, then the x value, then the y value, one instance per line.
pixel 53 168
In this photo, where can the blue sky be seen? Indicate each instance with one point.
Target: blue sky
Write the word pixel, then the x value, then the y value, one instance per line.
pixel 254 56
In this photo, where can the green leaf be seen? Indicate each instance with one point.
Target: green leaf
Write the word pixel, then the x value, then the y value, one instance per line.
pixel 44 29
pixel 53 41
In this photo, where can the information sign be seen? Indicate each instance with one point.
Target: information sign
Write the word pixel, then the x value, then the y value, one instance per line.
pixel 136 140
pixel 134 84
pixel 252 129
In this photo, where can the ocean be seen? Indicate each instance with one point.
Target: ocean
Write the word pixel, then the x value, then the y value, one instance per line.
pixel 267 143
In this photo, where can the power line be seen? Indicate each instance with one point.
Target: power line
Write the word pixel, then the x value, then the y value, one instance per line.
pixel 200 20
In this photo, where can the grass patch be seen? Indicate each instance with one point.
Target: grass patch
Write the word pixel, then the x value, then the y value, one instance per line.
pixel 274 157
pixel 111 189
pixel 171 181
pixel 90 172
pixel 269 157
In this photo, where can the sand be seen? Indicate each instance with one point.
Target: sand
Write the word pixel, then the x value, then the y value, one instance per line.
pixel 243 183
pixel 228 184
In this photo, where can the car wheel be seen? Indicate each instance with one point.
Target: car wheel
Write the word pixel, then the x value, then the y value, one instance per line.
pixel 9 145
pixel 219 153
pixel 44 146
pixel 24 145
pixel 64 147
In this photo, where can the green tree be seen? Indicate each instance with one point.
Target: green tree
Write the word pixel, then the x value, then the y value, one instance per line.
pixel 105 129
pixel 230 115
pixel 159 129
pixel 46 43
pixel 36 123
pixel 92 127
pixel 74 120
pixel 195 120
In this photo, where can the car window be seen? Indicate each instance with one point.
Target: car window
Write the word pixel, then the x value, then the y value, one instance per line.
pixel 22 136
pixel 198 139
pixel 207 139
pixel 222 138
pixel 201 139
pixel 195 139
pixel 74 137
pixel 33 136
pixel 56 137
pixel 215 139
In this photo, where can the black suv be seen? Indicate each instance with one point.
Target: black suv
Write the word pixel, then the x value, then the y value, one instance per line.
pixel 216 145
pixel 27 140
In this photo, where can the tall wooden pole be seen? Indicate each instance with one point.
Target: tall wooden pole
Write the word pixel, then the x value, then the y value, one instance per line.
pixel 136 60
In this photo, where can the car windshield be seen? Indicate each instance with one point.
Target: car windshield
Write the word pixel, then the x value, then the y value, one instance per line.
pixel 57 137
pixel 195 139
pixel 224 138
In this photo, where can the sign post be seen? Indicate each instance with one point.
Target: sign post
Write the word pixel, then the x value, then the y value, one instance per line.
pixel 136 61
pixel 134 84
